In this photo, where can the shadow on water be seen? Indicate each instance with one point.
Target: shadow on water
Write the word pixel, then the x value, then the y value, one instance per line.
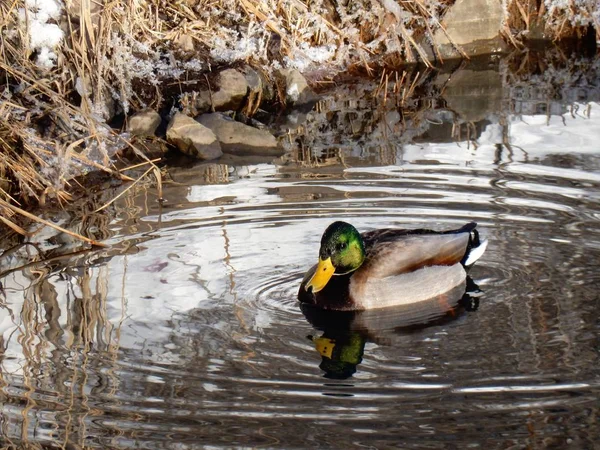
pixel 186 333
pixel 345 333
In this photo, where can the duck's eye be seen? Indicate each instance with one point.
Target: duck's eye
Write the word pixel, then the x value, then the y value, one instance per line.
pixel 341 246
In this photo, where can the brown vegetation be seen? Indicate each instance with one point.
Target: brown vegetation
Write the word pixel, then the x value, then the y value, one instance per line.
pixel 53 119
pixel 537 20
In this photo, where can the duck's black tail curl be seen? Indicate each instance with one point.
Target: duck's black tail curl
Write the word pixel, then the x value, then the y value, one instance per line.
pixel 475 247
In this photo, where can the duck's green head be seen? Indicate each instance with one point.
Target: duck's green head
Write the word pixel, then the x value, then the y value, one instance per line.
pixel 342 251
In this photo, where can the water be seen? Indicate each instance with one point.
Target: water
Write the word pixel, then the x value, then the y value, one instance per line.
pixel 186 333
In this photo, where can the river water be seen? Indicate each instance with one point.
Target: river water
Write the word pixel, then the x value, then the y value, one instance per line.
pixel 186 332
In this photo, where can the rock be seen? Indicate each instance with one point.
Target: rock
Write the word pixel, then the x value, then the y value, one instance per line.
pixel 297 91
pixel 255 90
pixel 474 25
pixel 231 89
pixel 239 139
pixel 144 123
pixel 153 148
pixel 185 43
pixel 193 138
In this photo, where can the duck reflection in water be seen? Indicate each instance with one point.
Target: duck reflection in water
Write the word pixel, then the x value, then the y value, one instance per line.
pixel 345 333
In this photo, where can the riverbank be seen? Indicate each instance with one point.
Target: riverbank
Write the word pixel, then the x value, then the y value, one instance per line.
pixel 174 335
pixel 75 74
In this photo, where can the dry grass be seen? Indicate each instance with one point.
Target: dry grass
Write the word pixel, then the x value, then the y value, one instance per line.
pixel 119 56
pixel 533 19
pixel 52 122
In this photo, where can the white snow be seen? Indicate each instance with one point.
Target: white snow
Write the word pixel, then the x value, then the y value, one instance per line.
pixel 46 58
pixel 44 10
pixel 44 37
pixel 293 92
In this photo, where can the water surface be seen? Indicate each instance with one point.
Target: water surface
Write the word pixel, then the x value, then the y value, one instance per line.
pixel 186 333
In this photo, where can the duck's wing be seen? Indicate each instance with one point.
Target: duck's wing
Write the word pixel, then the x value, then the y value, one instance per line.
pixel 414 287
pixel 395 252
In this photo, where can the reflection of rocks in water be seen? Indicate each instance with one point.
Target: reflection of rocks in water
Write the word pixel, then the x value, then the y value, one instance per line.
pixel 345 333
pixel 572 161
pixel 368 122
pixel 293 118
pixel 548 83
pixel 207 173
pixel 448 131
pixel 474 95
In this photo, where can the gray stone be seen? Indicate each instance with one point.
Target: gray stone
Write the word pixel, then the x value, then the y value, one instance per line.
pixel 193 138
pixel 200 103
pixel 233 87
pixel 239 139
pixel 255 90
pixel 297 91
pixel 228 94
pixel 474 25
pixel 144 123
pixel 153 148
pixel 185 43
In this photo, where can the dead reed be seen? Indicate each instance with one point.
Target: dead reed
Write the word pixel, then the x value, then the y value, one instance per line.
pixel 115 57
pixel 552 20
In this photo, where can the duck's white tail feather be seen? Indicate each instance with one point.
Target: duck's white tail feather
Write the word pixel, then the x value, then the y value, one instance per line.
pixel 476 253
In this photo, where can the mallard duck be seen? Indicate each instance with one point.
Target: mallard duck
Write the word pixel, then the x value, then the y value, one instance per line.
pixel 388 267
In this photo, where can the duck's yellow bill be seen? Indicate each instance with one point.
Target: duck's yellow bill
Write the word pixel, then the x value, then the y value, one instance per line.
pixel 324 346
pixel 322 275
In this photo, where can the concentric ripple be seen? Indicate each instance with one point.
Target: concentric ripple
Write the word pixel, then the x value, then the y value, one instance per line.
pixel 188 332
pixel 277 295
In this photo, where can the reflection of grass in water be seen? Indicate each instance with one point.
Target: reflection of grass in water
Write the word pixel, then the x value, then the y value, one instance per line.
pixel 372 120
pixel 58 360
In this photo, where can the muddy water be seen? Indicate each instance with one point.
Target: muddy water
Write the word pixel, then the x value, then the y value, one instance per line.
pixel 186 333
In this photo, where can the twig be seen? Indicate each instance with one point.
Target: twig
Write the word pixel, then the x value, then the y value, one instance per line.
pixel 140 164
pixel 50 224
pixel 42 261
pixel 106 205
pixel 14 226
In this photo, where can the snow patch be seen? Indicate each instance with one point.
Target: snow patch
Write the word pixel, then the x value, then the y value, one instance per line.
pixel 293 92
pixel 44 37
